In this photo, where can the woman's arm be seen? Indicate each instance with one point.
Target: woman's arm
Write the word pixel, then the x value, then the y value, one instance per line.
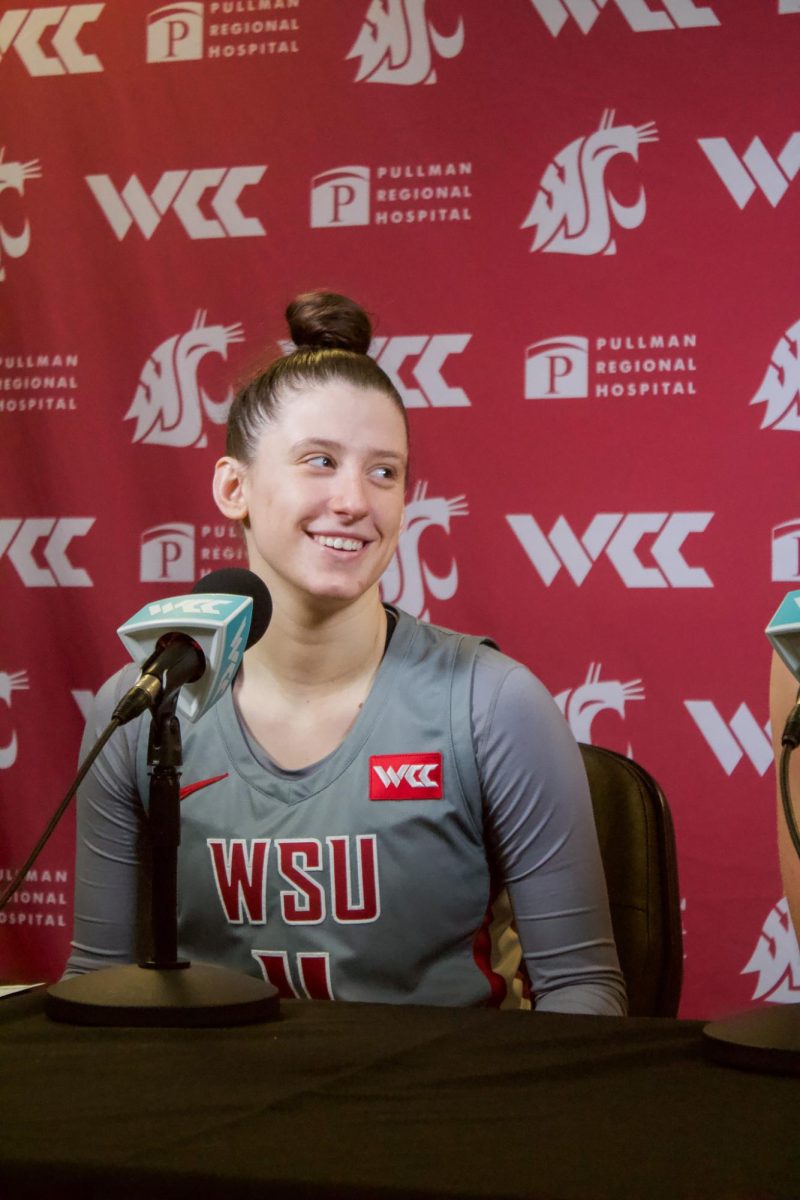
pixel 782 698
pixel 543 839
pixel 110 824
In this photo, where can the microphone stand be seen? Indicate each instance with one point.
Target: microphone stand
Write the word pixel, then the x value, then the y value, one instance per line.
pixel 164 990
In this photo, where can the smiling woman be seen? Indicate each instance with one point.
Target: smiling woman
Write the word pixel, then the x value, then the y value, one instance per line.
pixel 380 809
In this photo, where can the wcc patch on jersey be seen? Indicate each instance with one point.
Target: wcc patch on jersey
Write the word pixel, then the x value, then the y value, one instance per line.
pixel 406 777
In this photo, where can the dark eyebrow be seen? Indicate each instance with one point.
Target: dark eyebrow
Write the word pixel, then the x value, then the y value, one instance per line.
pixel 325 444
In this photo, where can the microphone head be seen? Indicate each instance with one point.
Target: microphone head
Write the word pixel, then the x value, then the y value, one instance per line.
pixel 237 581
pixel 226 612
pixel 784 632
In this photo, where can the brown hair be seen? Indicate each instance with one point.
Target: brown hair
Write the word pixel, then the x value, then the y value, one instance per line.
pixel 332 335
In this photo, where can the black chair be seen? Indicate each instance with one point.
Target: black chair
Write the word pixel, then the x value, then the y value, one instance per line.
pixel 637 845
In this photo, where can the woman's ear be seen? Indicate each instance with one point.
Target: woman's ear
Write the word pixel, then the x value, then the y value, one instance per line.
pixel 228 489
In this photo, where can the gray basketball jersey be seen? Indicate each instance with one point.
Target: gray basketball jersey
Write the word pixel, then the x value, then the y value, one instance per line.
pixel 364 877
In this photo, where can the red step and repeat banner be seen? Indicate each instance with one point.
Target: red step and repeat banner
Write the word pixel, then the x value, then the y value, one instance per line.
pixel 576 223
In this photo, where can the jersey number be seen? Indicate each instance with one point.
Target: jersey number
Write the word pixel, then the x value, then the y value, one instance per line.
pixel 312 971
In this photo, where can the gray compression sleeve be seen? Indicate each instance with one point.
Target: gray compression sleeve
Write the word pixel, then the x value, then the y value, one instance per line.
pixel 542 839
pixel 109 920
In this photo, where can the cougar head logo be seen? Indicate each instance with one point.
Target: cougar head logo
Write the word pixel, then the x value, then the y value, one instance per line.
pixel 581 705
pixel 574 206
pixel 397 42
pixel 13 176
pixel 780 387
pixel 405 579
pixel 169 403
pixel 776 959
pixel 18 682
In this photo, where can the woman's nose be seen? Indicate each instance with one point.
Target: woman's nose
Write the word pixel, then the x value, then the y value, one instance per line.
pixel 349 494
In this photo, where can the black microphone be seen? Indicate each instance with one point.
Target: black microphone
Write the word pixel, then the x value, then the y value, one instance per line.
pixel 197 639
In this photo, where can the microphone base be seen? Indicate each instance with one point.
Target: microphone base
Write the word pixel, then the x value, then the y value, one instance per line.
pixel 767 1039
pixel 195 995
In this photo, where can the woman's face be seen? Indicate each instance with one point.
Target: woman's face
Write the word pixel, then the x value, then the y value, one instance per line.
pixel 324 492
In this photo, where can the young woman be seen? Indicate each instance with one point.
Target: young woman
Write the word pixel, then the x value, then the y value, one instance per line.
pixel 379 810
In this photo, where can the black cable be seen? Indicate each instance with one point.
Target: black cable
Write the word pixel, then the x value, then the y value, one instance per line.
pixel 19 878
pixel 786 798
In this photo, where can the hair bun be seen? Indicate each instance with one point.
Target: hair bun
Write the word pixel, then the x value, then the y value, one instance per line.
pixel 330 320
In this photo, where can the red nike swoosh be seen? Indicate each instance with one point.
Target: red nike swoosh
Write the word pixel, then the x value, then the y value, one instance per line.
pixel 201 783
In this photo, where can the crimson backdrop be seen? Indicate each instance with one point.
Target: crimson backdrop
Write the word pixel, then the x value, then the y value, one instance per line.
pixel 576 224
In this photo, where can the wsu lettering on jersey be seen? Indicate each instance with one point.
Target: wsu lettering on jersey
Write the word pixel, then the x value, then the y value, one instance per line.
pixel 343 883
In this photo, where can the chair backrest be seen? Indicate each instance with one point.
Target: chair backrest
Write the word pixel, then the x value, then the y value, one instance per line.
pixel 637 845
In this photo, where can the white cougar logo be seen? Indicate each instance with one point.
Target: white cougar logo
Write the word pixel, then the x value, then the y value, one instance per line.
pixel 581 705
pixel 18 682
pixel 573 206
pixel 403 582
pixel 169 403
pixel 14 175
pixel 776 958
pixel 780 387
pixel 397 41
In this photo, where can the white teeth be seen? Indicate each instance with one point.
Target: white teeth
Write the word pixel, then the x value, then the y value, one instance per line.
pixel 338 543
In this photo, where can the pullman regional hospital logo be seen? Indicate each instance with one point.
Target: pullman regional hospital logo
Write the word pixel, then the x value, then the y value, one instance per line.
pixel 13 177
pixel 179 32
pixel 408 579
pixel 574 210
pixel 398 43
pixel 170 407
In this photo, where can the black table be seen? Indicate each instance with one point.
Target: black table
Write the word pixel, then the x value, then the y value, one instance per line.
pixel 376 1101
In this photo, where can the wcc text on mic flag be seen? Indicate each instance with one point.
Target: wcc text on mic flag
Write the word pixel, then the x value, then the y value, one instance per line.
pixel 194 642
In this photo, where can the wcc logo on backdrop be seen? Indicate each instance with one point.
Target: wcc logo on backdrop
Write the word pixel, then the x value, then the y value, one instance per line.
pixel 46 40
pixel 779 390
pixel 38 549
pixel 642 16
pixel 409 579
pixel 399 43
pixel 755 170
pixel 424 357
pixel 574 210
pixel 580 705
pixel 170 407
pixel 776 959
pixel 9 684
pixel 184 193
pixel 13 177
pixel 733 740
pixel 619 537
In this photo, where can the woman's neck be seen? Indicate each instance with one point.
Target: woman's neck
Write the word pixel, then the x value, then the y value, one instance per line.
pixel 304 684
pixel 308 651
